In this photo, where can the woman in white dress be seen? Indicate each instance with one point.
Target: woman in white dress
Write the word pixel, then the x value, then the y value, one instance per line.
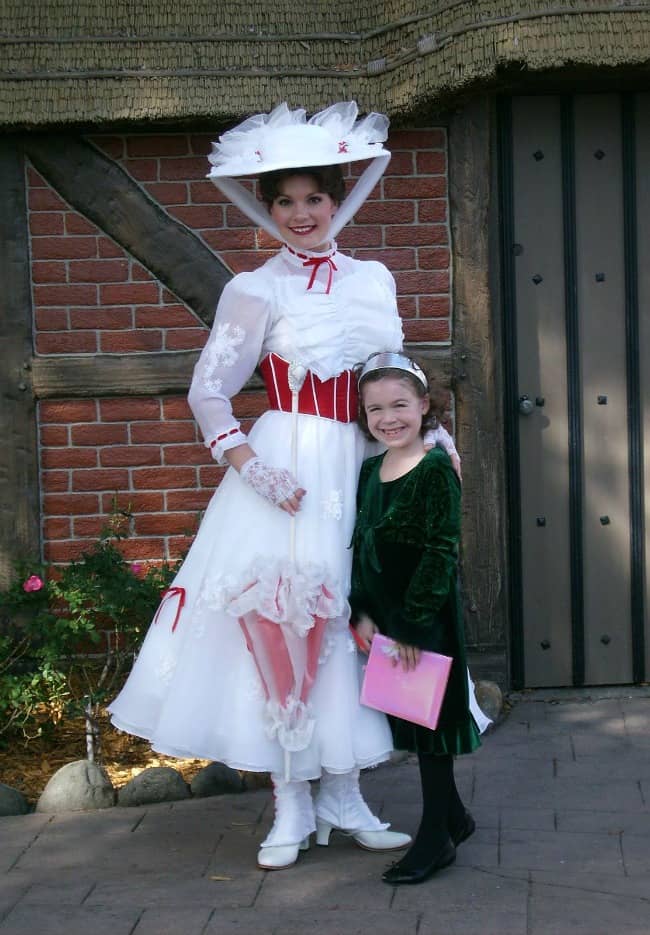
pixel 249 659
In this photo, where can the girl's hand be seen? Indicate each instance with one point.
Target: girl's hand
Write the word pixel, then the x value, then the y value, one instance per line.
pixel 366 630
pixel 409 656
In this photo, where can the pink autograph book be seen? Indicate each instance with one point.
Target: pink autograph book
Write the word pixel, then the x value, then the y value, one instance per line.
pixel 415 696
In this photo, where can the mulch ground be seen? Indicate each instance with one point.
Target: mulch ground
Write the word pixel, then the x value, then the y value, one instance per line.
pixel 27 764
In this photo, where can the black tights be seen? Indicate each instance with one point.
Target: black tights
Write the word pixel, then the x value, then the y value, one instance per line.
pixel 442 810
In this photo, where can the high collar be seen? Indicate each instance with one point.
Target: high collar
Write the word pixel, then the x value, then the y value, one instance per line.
pixel 314 262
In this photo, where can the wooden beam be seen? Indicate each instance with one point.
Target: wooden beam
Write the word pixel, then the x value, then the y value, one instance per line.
pixel 477 355
pixel 19 500
pixel 103 192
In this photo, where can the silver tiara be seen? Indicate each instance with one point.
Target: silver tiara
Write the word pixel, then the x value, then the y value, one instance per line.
pixel 392 360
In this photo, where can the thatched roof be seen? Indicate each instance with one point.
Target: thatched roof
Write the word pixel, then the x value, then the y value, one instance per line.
pixel 98 62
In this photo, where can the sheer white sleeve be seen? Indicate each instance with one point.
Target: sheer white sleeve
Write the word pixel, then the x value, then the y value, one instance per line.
pixel 227 362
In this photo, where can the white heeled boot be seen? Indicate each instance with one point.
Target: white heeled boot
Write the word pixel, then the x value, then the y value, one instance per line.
pixel 292 825
pixel 340 805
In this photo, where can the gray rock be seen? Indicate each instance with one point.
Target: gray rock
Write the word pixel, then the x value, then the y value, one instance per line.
pixel 12 802
pixel 216 779
pixel 76 786
pixel 156 784
pixel 490 699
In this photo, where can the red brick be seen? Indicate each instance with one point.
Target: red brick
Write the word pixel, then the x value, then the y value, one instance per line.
pixel 428 186
pixel 144 170
pixel 417 139
pixel 195 216
pixel 431 210
pixel 210 477
pixel 98 433
pixel 189 167
pixel 123 342
pixel 64 248
pixel 49 271
pixel 433 258
pixel 201 143
pixel 104 317
pixel 433 306
pixel 129 455
pixel 407 305
pixel 152 502
pixel 108 248
pixel 51 319
pixel 54 434
pixel 230 239
pixel 168 316
pixel 55 481
pixel 46 222
pixel 124 409
pixel 111 145
pixel 99 270
pixel 57 504
pixel 160 433
pixel 100 479
pixel 386 212
pixel 135 293
pixel 179 546
pixel 393 259
pixel 66 550
pixel 166 524
pixel 78 224
pixel 89 527
pixel 163 478
pixel 188 499
pixel 410 282
pixel 249 404
pixel 44 199
pixel 244 261
pixel 139 273
pixel 68 457
pixel 169 193
pixel 163 145
pixel 416 235
pixel 64 411
pixel 58 528
pixel 432 330
pixel 183 339
pixel 362 236
pixel 206 193
pixel 135 550
pixel 431 163
pixel 236 218
pixel 35 178
pixel 401 163
pixel 186 454
pixel 54 294
pixel 67 342
pixel 176 408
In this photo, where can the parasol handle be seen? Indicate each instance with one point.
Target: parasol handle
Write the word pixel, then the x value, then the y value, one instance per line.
pixel 294 471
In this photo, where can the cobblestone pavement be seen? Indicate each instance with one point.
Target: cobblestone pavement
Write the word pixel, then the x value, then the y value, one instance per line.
pixel 560 791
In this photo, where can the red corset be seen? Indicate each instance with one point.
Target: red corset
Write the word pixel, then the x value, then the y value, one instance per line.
pixel 336 398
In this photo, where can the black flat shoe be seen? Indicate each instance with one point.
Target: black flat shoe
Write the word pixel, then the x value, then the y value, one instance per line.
pixel 397 875
pixel 464 831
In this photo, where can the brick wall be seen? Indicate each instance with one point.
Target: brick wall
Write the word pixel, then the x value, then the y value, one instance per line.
pixel 91 297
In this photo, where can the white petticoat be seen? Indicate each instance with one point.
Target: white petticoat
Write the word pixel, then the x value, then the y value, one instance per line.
pixel 196 691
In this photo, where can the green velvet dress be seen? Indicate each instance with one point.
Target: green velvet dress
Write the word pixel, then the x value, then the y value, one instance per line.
pixel 404 577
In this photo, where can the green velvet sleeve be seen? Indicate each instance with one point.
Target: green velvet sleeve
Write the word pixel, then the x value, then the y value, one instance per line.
pixel 356 600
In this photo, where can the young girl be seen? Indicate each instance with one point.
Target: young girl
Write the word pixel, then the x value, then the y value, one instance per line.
pixel 404 585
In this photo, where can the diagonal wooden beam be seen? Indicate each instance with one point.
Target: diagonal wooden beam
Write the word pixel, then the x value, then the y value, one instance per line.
pixel 107 195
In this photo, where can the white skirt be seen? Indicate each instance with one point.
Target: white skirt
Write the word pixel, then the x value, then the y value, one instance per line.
pixel 194 690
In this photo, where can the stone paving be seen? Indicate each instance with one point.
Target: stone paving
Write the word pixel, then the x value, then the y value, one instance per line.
pixel 560 791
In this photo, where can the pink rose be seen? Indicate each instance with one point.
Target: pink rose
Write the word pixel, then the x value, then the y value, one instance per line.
pixel 136 568
pixel 33 583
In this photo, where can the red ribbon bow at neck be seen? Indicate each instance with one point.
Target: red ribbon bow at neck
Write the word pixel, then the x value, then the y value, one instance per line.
pixel 316 262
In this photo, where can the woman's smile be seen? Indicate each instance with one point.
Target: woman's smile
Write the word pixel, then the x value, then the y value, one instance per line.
pixel 303 214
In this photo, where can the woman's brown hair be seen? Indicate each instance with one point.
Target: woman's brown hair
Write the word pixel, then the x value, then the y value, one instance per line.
pixel 329 180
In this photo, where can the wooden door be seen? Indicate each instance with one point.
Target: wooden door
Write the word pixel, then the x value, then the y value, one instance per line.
pixel 575 250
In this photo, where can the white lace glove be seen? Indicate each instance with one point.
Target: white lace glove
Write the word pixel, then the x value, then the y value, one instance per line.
pixel 440 436
pixel 274 484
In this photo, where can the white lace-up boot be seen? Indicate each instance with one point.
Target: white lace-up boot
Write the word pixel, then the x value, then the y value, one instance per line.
pixel 340 805
pixel 292 825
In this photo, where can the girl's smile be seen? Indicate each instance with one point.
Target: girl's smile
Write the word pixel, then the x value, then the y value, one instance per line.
pixel 303 214
pixel 394 413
